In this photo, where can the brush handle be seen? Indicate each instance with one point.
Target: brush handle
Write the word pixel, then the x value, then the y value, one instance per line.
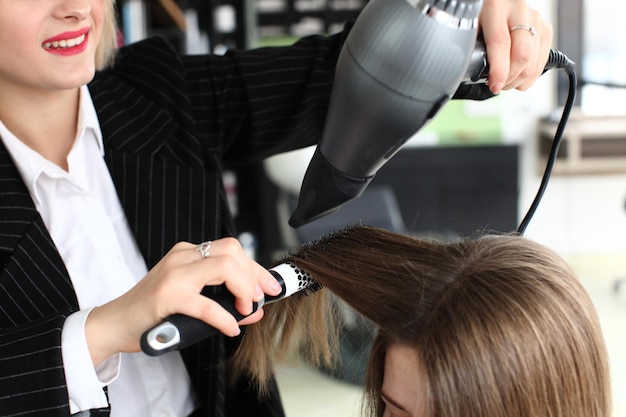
pixel 179 331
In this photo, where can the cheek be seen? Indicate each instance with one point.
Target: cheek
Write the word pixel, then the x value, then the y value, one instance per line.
pixel 19 38
pixel 13 34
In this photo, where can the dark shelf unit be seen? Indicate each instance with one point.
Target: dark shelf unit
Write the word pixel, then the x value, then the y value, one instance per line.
pixel 163 18
pixel 252 19
pixel 283 19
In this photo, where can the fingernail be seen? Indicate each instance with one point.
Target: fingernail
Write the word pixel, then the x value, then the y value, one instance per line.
pixel 275 287
pixel 236 331
pixel 249 309
pixel 495 89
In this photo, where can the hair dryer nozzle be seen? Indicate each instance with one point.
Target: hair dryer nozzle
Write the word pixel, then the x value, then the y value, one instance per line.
pixel 399 65
pixel 324 190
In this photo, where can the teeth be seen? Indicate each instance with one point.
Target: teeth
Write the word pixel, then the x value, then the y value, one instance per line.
pixel 66 43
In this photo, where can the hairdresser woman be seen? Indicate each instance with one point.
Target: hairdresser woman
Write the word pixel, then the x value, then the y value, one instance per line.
pixel 110 185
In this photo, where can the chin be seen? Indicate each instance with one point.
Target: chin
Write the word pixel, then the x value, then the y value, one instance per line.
pixel 79 78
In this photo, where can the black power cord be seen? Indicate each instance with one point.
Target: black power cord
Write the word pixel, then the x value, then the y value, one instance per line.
pixel 555 60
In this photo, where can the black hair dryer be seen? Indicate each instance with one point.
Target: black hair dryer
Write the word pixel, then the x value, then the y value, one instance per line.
pixel 401 63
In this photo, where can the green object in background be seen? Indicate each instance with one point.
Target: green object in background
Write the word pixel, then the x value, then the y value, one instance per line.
pixel 455 125
pixel 276 41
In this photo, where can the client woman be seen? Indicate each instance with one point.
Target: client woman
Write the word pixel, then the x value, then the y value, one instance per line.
pixel 492 326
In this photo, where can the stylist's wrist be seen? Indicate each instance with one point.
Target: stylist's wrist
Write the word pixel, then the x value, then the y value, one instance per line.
pixel 103 333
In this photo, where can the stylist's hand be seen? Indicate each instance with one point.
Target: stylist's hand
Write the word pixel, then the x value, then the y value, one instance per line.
pixel 516 58
pixel 174 286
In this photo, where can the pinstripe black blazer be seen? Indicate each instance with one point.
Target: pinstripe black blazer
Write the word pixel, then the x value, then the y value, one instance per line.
pixel 168 124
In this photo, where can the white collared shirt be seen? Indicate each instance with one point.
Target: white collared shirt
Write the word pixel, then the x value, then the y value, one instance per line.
pixel 83 214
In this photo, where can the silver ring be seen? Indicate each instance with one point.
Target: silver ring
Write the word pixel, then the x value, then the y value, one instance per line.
pixel 203 248
pixel 531 29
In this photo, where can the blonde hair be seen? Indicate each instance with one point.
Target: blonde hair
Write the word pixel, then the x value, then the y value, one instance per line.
pixel 501 325
pixel 105 52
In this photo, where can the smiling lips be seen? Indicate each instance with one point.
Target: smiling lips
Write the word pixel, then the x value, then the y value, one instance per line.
pixel 67 43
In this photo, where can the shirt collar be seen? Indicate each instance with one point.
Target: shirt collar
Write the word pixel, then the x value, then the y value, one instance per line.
pixel 88 118
pixel 30 163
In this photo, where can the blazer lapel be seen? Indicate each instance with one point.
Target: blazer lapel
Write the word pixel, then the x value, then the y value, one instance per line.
pixel 33 277
pixel 164 191
pixel 129 121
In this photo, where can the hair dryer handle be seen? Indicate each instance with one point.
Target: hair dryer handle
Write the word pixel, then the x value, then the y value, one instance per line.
pixel 478 68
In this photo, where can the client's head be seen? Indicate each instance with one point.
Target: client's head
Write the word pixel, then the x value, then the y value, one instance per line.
pixel 492 326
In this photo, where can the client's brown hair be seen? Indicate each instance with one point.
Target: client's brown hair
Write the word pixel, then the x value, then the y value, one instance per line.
pixel 500 324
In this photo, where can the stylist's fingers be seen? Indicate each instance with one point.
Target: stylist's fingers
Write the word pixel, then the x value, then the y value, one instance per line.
pixel 253 318
pixel 530 47
pixel 495 31
pixel 529 61
pixel 209 311
pixel 266 283
pixel 225 262
pixel 518 43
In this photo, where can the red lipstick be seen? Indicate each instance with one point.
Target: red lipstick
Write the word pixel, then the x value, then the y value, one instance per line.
pixel 67 43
